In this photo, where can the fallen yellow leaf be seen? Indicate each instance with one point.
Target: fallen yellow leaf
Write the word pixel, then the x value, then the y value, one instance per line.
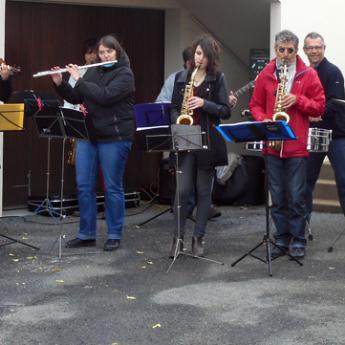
pixel 157 325
pixel 131 297
pixel 56 269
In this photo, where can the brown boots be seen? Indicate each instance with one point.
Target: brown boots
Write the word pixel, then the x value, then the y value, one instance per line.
pixel 174 247
pixel 198 246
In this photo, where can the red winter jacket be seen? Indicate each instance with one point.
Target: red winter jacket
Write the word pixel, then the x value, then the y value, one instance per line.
pixel 310 102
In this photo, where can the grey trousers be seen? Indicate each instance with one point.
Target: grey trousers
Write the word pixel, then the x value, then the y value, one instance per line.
pixel 192 178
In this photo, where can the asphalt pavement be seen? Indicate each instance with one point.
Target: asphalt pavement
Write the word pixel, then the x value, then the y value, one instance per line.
pixel 127 297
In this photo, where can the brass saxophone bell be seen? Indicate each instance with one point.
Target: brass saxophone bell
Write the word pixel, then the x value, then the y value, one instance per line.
pixel 185 120
pixel 281 116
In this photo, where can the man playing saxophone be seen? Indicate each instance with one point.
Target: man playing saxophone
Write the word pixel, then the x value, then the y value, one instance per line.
pixel 302 97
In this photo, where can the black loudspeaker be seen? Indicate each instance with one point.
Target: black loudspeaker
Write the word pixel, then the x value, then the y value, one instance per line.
pixel 166 182
pixel 254 194
pixel 245 186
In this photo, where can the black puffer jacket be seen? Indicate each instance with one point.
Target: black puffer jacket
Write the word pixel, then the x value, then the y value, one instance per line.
pixel 108 95
pixel 5 89
pixel 214 91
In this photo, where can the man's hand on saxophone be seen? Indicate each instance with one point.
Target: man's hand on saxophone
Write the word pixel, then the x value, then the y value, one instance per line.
pixel 288 100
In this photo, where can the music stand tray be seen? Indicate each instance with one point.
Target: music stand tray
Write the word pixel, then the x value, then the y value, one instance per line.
pixel 152 114
pixel 74 124
pixel 12 117
pixel 256 131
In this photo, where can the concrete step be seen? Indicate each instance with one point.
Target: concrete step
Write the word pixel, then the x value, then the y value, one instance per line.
pixel 326 189
pixel 324 205
pixel 325 192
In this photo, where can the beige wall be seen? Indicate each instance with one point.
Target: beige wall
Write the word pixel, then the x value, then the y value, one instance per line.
pixel 2 48
pixel 327 18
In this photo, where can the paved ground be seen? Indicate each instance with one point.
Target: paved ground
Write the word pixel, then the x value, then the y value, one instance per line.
pixel 127 298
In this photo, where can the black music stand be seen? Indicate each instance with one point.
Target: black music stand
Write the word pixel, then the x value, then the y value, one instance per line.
pixel 176 139
pixel 12 119
pixel 60 123
pixel 256 131
pixel 153 119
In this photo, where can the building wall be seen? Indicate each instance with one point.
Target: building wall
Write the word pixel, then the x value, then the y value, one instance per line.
pixel 327 18
pixel 2 47
pixel 181 29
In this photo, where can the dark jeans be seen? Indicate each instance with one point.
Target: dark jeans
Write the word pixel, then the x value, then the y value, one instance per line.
pixel 286 180
pixel 193 178
pixel 336 155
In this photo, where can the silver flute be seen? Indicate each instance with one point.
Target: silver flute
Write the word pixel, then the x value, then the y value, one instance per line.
pixel 63 70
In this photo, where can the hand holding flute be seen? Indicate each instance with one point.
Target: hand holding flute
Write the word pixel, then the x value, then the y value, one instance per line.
pixel 73 70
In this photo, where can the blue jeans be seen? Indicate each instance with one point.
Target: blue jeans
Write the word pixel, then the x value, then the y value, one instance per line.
pixel 112 157
pixel 336 155
pixel 286 180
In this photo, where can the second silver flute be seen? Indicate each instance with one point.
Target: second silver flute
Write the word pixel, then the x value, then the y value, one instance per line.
pixel 63 70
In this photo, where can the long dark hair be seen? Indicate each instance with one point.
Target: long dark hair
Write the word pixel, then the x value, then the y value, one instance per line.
pixel 110 41
pixel 211 50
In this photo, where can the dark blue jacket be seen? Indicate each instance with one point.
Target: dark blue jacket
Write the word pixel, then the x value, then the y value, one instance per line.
pixel 108 95
pixel 332 81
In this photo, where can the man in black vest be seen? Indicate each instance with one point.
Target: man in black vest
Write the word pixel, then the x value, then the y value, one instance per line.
pixel 334 118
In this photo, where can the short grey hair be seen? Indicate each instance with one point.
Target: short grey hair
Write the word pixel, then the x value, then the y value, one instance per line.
pixel 314 35
pixel 286 36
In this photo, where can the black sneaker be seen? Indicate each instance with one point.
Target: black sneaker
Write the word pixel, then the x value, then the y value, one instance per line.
pixel 278 251
pixel 297 252
pixel 78 243
pixel 111 245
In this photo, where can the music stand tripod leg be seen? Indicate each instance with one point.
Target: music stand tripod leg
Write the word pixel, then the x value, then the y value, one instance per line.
pixel 266 240
pixel 153 217
pixel 13 240
pixel 46 205
pixel 62 215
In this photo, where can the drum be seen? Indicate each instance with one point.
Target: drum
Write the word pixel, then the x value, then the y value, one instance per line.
pixel 319 139
pixel 254 146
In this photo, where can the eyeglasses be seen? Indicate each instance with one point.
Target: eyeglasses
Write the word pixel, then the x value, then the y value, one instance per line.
pixel 289 50
pixel 310 48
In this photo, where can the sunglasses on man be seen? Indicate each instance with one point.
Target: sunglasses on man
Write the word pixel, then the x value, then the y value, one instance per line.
pixel 289 50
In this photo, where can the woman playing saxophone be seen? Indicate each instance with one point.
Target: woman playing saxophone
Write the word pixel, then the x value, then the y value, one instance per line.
pixel 204 93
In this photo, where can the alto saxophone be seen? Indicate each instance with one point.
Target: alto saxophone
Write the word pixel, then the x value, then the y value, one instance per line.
pixel 279 113
pixel 186 115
